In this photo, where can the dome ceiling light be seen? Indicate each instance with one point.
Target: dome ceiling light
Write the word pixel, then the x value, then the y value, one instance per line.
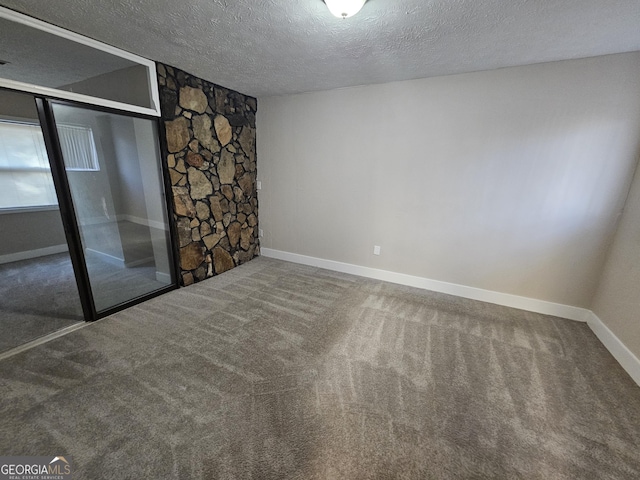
pixel 344 8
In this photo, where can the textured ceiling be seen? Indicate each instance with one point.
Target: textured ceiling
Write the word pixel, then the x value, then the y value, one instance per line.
pixel 271 47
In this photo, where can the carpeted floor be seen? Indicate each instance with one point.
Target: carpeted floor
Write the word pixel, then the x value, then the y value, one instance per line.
pixel 112 283
pixel 37 297
pixel 280 371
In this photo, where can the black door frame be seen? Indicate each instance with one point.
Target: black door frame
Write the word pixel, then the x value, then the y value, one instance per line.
pixel 67 210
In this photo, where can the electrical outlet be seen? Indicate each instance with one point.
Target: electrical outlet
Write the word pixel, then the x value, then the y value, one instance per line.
pixel 376 250
pixel 258 185
pixel 260 233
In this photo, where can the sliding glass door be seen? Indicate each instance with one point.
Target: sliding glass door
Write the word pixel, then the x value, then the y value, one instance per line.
pixel 113 175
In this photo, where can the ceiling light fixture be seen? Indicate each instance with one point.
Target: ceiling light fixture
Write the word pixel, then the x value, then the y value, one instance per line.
pixel 344 8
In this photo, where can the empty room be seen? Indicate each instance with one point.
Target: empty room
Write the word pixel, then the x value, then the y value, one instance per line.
pixel 320 239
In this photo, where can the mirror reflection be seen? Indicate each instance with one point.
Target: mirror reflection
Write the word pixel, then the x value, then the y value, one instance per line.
pixel 37 57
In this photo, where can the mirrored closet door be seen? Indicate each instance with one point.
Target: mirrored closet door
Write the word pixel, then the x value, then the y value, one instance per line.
pixel 114 176
pixel 38 291
pixel 84 228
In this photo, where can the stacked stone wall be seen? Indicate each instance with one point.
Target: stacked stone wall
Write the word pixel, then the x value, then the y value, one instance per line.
pixel 210 135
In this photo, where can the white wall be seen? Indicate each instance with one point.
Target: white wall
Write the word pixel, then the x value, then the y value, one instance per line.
pixel 617 301
pixel 508 180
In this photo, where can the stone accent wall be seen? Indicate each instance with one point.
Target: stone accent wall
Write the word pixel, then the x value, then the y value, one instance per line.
pixel 210 151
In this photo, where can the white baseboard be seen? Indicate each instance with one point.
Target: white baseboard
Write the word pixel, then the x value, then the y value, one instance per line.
pixel 163 277
pixel 126 218
pixel 505 299
pixel 141 261
pixel 119 262
pixel 144 221
pixel 621 353
pixel 112 259
pixel 28 254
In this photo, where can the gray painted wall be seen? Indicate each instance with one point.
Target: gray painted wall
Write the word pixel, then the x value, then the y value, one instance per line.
pixel 128 85
pixel 30 231
pixel 18 105
pixel 127 163
pixel 508 180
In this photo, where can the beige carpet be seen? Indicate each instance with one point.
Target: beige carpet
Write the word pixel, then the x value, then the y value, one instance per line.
pixel 275 370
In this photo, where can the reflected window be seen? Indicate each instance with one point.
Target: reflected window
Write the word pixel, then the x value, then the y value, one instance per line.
pixel 80 148
pixel 25 175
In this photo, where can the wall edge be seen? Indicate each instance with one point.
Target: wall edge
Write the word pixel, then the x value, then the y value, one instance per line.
pixel 625 357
